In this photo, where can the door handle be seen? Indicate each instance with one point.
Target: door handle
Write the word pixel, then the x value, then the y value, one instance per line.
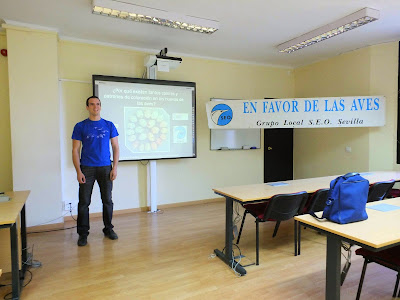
pixel 269 148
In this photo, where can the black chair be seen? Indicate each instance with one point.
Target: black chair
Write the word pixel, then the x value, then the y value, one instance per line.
pixel 379 190
pixel 318 200
pixel 393 193
pixel 279 208
pixel 389 258
pixel 316 203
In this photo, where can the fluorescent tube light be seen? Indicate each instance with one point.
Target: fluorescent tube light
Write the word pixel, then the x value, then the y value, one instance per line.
pixel 133 12
pixel 355 20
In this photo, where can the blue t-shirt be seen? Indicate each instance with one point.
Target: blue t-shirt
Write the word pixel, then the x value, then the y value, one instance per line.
pixel 95 137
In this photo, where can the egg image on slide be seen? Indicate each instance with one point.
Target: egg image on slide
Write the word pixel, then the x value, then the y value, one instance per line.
pixel 146 129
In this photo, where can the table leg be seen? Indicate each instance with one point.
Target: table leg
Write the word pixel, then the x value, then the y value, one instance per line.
pixel 332 286
pixel 24 244
pixel 16 289
pixel 227 255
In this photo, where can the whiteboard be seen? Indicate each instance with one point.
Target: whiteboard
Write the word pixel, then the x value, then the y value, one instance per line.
pixel 233 139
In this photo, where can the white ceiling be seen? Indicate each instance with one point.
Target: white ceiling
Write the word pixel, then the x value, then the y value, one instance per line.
pixel 249 30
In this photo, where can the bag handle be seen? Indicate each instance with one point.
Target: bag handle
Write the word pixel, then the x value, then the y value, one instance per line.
pixel 329 199
pixel 312 213
pixel 351 174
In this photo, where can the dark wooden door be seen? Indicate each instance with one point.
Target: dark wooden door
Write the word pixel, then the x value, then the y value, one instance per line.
pixel 278 154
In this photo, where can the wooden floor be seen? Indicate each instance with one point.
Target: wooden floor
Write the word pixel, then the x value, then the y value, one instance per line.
pixel 168 256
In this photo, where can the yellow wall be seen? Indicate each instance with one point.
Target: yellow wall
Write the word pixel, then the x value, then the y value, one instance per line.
pixel 384 81
pixel 35 120
pixel 5 151
pixel 5 144
pixel 367 71
pixel 179 180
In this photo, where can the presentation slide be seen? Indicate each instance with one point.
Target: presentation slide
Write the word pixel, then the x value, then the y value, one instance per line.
pixel 155 119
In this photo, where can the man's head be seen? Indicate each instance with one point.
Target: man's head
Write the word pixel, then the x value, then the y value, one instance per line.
pixel 92 97
pixel 93 105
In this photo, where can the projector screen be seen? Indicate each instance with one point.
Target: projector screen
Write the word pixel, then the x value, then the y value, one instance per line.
pixel 155 119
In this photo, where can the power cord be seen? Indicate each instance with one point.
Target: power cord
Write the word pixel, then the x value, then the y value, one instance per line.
pixel 234 263
pixel 44 223
pixel 51 230
pixel 70 211
pixel 9 295
pixel 347 248
pixel 30 263
pixel 157 212
pixel 237 216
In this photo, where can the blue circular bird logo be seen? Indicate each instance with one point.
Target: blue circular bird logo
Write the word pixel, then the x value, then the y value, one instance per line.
pixel 221 114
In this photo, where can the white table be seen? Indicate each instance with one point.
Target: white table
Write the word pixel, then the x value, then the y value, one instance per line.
pixel 380 231
pixel 258 192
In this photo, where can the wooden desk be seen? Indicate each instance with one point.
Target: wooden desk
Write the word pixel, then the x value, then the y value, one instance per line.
pixel 376 233
pixel 9 212
pixel 262 191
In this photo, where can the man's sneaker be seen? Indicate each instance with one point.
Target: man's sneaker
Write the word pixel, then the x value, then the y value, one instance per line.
pixel 111 234
pixel 82 241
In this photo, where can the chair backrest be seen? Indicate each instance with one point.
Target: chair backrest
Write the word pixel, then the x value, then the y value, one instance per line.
pixel 379 190
pixel 318 200
pixel 389 258
pixel 285 206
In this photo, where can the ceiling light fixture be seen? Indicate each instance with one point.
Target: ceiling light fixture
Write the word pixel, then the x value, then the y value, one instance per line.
pixel 133 12
pixel 355 20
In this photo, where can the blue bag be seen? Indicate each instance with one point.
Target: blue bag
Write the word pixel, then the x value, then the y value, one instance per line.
pixel 347 199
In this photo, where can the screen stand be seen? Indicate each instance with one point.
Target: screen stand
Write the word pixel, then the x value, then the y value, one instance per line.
pixel 152 186
pixel 152 165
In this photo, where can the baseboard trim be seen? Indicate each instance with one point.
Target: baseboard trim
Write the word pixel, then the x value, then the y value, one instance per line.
pixel 67 219
pixel 189 203
pixel 100 214
pixel 147 208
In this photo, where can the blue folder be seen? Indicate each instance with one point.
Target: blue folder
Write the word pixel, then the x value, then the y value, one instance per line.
pixel 384 207
pixel 277 183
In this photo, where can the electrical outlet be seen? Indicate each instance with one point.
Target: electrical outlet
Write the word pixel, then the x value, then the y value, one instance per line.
pixel 69 205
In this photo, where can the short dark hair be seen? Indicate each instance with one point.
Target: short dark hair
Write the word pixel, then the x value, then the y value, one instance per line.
pixel 91 97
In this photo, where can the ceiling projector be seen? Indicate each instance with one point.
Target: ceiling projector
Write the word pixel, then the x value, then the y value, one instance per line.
pixel 163 62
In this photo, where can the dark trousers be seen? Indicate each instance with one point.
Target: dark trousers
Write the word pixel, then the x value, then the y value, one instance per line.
pixel 102 175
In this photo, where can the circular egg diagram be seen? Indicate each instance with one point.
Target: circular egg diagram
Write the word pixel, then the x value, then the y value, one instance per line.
pixel 146 129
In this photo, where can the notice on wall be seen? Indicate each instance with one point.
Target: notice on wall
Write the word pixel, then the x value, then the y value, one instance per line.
pixel 329 112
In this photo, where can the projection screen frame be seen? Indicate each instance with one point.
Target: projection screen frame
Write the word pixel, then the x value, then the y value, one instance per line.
pixel 109 78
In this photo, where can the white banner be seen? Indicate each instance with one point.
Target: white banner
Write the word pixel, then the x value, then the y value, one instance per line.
pixel 357 111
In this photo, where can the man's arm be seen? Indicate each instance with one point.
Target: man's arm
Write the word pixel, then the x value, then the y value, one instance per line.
pixel 76 149
pixel 115 148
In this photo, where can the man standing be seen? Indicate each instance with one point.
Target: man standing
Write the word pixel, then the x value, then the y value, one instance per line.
pixel 94 135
